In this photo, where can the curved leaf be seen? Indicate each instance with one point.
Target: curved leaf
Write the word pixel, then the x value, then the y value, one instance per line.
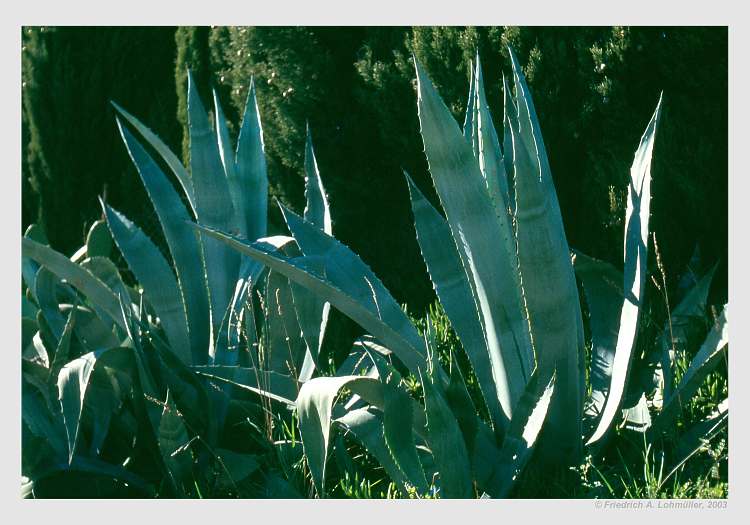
pixel 340 277
pixel 315 406
pixel 85 281
pixel 602 285
pixel 164 152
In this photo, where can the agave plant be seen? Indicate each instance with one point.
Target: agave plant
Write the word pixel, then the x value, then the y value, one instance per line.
pixel 502 269
pixel 194 313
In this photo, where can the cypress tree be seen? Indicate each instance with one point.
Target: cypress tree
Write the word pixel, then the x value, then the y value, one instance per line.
pixel 74 152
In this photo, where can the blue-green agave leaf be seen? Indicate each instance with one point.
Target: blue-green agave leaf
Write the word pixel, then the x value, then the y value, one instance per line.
pixel 710 354
pixel 279 387
pixel 367 427
pixel 486 145
pixel 250 169
pixel 446 442
pixel 80 278
pixel 452 288
pixel 549 286
pixel 46 285
pixel 98 240
pixel 313 313
pixel 170 159
pixel 524 429
pixel 315 406
pixel 183 244
pixel 173 438
pixel 483 241
pixel 337 275
pixel 681 323
pixel 72 385
pixel 285 348
pixel 62 352
pixel 213 208
pixel 634 274
pixel 602 286
pixel 155 276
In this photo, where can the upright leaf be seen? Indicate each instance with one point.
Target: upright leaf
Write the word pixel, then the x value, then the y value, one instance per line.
pixel 452 288
pixel 250 169
pixel 183 244
pixel 213 208
pixel 602 286
pixel 634 274
pixel 549 286
pixel 154 274
pixel 483 241
pixel 446 442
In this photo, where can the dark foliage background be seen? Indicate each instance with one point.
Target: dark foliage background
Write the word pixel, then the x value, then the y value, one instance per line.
pixel 594 89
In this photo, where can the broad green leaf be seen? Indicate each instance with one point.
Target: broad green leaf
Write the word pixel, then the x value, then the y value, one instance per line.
pixel 46 286
pixel 447 444
pixel 452 287
pixel 183 244
pixel 72 384
pixel 90 330
pixel 226 155
pixel 460 403
pixel 80 278
pixel 155 276
pixel 484 242
pixel 285 348
pixel 398 423
pixel 710 354
pixel 233 324
pixel 634 274
pixel 313 313
pixel 39 414
pixel 340 277
pixel 213 208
